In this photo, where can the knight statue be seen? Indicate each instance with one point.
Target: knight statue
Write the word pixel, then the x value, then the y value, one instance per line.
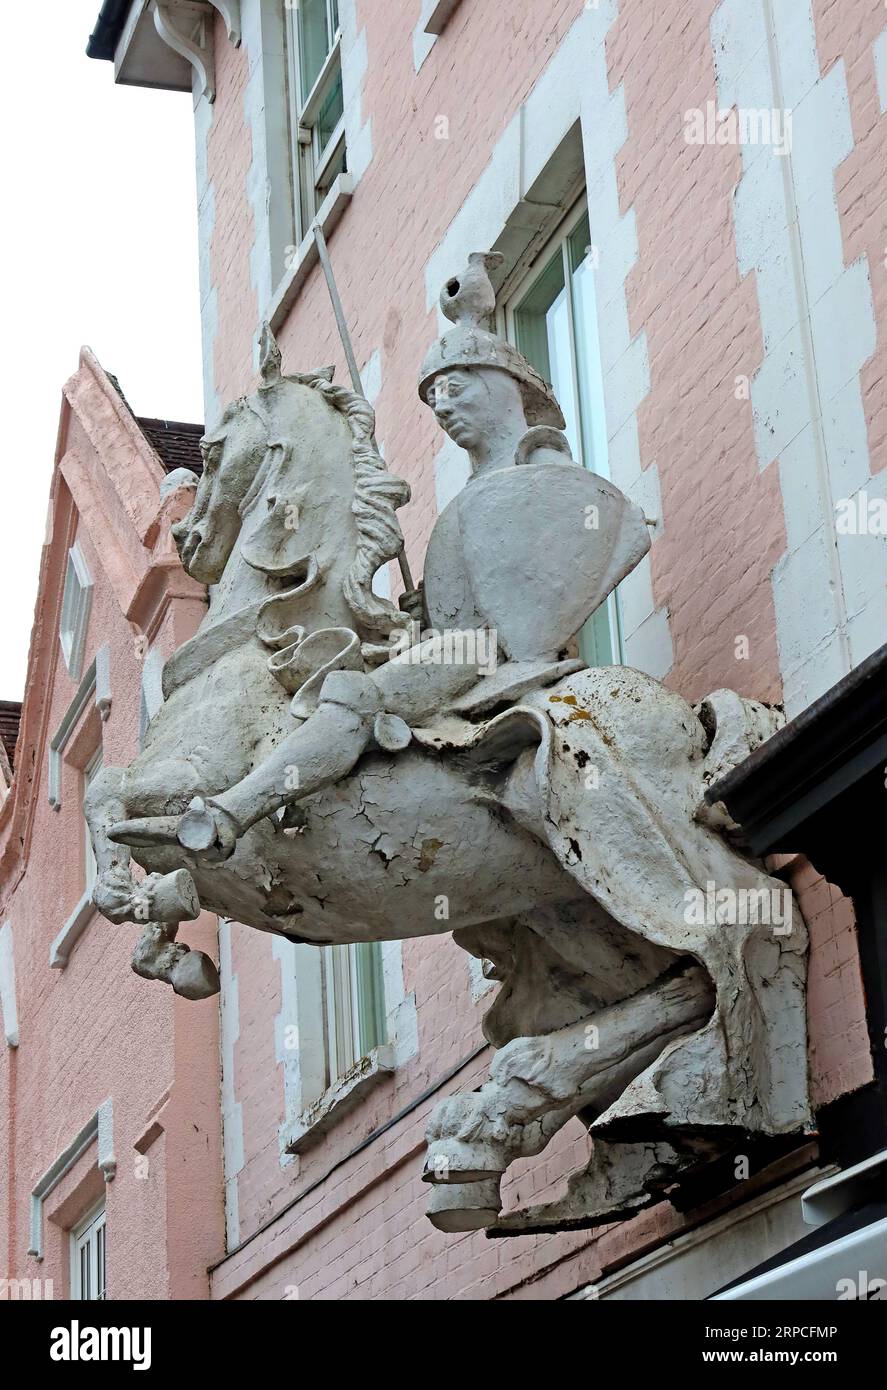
pixel 329 767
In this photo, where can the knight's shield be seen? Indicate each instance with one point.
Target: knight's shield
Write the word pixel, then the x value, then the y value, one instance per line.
pixel 543 546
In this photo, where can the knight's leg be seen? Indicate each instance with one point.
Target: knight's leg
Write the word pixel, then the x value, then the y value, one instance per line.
pixel 321 751
pixel 103 805
pixel 326 747
pixel 114 893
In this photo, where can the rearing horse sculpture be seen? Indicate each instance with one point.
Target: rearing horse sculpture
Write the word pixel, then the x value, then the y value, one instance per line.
pixel 322 770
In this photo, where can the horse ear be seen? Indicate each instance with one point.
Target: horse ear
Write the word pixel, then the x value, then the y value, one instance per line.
pixel 269 357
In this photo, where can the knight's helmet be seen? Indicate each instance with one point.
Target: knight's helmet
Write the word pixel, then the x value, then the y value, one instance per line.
pixel 468 300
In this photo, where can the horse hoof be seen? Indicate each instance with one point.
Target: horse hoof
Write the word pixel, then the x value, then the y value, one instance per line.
pixel 474 1207
pixel 195 976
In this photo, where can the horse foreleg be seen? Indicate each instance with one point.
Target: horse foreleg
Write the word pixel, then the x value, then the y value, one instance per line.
pixel 159 903
pixel 158 956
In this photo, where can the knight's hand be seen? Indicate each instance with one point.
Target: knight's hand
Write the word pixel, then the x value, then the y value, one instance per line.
pixel 207 831
pixel 413 603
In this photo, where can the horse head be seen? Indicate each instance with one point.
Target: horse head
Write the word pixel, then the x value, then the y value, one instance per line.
pixel 293 472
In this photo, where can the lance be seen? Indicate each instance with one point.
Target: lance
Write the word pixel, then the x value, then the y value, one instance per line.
pixel 351 360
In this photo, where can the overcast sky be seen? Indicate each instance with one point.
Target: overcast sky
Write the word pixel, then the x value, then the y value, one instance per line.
pixel 99 246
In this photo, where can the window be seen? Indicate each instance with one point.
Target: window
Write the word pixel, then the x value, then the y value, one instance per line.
pixel 89 865
pixel 316 104
pixel 354 999
pixel 76 602
pixel 88 1258
pixel 551 317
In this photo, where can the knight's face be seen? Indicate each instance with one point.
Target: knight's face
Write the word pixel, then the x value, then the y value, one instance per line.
pixel 474 403
pixel 459 401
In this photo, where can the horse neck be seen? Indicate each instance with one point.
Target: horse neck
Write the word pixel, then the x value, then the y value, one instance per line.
pixel 322 604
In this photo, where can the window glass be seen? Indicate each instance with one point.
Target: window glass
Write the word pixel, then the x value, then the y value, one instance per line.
pixel 332 108
pixel 90 868
pixel 316 126
pixel 355 1005
pixel 588 350
pixel 553 322
pixel 88 1258
pixel 542 333
pixel 315 41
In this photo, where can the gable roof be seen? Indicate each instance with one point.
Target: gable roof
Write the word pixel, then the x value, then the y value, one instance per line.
pixel 10 718
pixel 109 467
pixel 177 444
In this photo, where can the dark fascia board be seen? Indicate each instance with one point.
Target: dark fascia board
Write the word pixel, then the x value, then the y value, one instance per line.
pixel 105 36
pixel 810 762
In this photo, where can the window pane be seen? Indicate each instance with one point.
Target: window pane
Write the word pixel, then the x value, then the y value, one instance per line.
pixel 542 332
pixel 588 352
pixel 370 995
pixel 100 1260
pixel 315 41
pixel 331 110
pixel 332 171
pixel 565 348
pixel 340 1031
pixel 90 865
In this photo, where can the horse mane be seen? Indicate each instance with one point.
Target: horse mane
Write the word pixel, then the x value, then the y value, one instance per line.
pixel 377 495
pixel 377 492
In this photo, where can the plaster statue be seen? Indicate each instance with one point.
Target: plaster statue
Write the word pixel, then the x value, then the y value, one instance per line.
pixel 332 768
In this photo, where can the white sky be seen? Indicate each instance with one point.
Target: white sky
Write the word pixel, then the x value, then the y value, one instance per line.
pixel 98 245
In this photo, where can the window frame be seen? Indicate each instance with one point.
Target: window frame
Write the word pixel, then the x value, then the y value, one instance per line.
pixel 309 163
pixel 517 288
pixel 74 611
pixel 89 1235
pixel 352 1032
pixel 90 769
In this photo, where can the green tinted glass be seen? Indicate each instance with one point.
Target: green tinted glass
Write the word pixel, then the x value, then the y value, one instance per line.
pixel 542 333
pixel 331 110
pixel 371 1026
pixel 315 41
pixel 588 352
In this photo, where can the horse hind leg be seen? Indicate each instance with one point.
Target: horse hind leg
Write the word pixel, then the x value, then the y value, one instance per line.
pixel 537 1083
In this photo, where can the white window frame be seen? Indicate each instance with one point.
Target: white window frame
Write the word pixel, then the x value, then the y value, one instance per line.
pixel 88 1255
pixel 517 290
pixel 74 617
pixel 90 868
pixel 309 163
pixel 344 1008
